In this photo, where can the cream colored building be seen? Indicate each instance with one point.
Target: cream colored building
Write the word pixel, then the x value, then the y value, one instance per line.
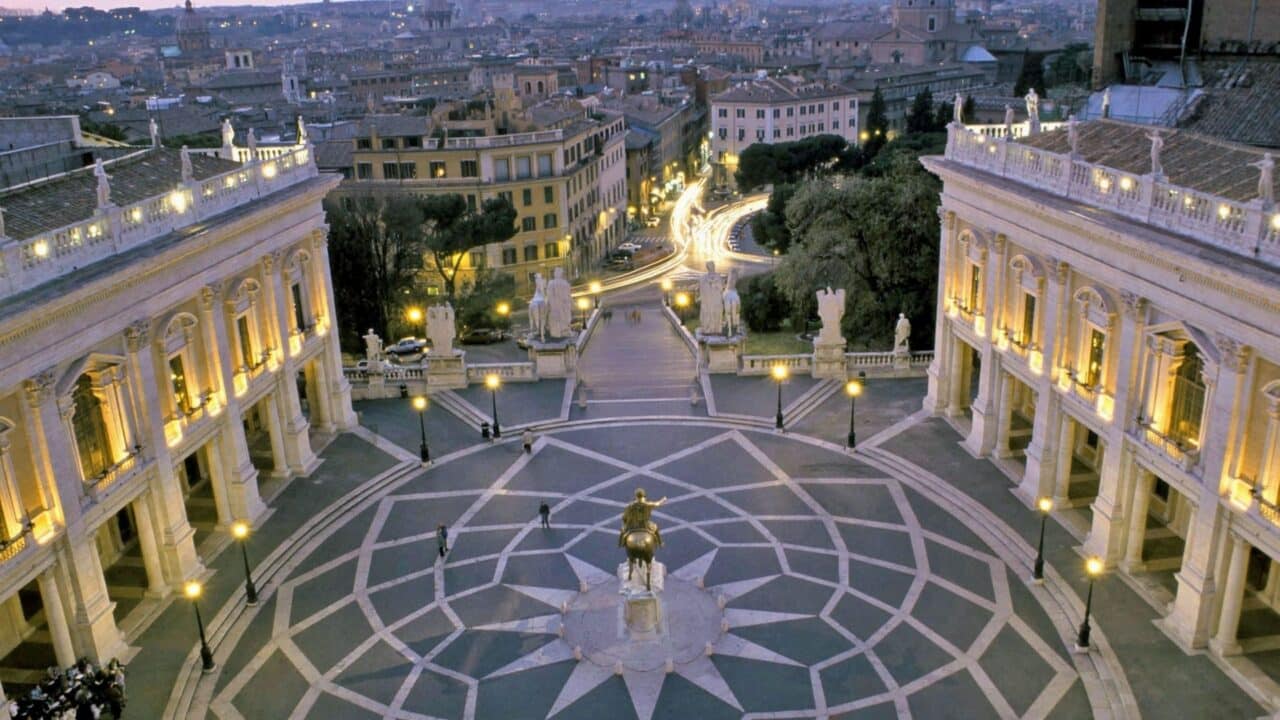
pixel 166 344
pixel 1110 336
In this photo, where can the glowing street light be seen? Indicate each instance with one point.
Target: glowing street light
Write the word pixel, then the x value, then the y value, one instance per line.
pixel 1045 506
pixel 583 305
pixel 779 373
pixel 420 405
pixel 192 590
pixel 416 317
pixel 1093 567
pixel 493 382
pixel 503 309
pixel 853 389
pixel 595 287
pixel 240 531
pixel 666 291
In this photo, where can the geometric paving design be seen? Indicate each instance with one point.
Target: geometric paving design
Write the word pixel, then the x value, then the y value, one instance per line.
pixel 837 599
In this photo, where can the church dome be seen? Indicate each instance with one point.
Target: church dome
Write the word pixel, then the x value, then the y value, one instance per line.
pixel 190 22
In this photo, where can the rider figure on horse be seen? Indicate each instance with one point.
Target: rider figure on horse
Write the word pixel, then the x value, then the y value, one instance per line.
pixel 636 517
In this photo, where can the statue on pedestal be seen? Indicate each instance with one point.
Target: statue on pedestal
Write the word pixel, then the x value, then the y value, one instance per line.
pixel 830 310
pixel 228 133
pixel 732 306
pixel 1157 145
pixel 957 110
pixel 711 297
pixel 1266 179
pixel 640 534
pixel 902 334
pixel 1073 135
pixel 154 130
pixel 104 187
pixel 251 140
pixel 373 350
pixel 1033 112
pixel 559 305
pixel 188 174
pixel 1106 103
pixel 1008 122
pixel 440 329
pixel 538 308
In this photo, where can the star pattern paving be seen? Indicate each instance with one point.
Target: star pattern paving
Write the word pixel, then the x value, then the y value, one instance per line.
pixel 842 591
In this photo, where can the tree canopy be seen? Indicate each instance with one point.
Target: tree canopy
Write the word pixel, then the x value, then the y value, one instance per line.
pixel 877 124
pixel 449 228
pixel 773 164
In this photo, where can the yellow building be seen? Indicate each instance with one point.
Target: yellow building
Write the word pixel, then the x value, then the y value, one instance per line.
pixel 566 181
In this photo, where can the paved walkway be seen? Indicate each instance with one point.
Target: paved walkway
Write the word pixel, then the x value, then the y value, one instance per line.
pixel 643 364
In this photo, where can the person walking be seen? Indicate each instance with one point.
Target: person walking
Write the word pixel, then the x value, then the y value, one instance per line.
pixel 527 439
pixel 442 539
pixel 545 511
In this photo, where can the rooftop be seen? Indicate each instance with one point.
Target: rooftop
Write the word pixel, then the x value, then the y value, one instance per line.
pixel 771 90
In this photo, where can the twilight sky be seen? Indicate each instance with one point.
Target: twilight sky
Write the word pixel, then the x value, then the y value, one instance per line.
pixel 58 5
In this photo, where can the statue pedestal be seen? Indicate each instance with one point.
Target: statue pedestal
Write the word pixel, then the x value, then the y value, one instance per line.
pixel 828 360
pixel 553 358
pixel 902 359
pixel 720 354
pixel 642 608
pixel 446 371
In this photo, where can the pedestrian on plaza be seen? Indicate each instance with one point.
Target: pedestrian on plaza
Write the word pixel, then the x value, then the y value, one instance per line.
pixel 526 438
pixel 545 511
pixel 442 539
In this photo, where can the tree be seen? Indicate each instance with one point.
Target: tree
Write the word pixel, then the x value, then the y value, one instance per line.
pixel 105 129
pixel 769 226
pixel 764 306
pixel 772 164
pixel 478 303
pixel 198 140
pixel 920 118
pixel 877 124
pixel 448 228
pixel 877 237
pixel 1032 75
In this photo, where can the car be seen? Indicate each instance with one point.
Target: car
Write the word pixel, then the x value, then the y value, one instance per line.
pixel 652 221
pixel 523 340
pixel 621 254
pixel 407 346
pixel 630 246
pixel 482 336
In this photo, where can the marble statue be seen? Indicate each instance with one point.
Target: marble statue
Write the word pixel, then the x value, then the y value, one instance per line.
pixel 1033 112
pixel 732 306
pixel 559 305
pixel 188 174
pixel 1106 103
pixel 1157 145
pixel 902 334
pixel 957 110
pixel 104 187
pixel 1266 179
pixel 830 310
pixel 302 131
pixel 2 223
pixel 440 329
pixel 251 139
pixel 372 346
pixel 154 129
pixel 1073 135
pixel 538 308
pixel 711 298
pixel 640 535
pixel 228 133
pixel 1008 122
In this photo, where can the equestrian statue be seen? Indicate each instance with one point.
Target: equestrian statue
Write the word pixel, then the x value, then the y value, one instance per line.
pixel 640 535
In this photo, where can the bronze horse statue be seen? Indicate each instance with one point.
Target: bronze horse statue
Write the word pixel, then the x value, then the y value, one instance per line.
pixel 640 536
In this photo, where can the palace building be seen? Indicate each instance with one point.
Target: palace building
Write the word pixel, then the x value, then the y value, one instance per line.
pixel 167 346
pixel 1108 333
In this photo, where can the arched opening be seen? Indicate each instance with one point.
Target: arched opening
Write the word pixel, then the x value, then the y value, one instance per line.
pixel 90 427
pixel 1187 407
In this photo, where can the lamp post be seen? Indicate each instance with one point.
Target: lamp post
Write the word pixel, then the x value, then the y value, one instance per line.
pixel 595 287
pixel 853 389
pixel 682 302
pixel 192 590
pixel 240 531
pixel 666 291
pixel 1093 568
pixel 1045 506
pixel 420 404
pixel 503 309
pixel 583 305
pixel 493 382
pixel 416 318
pixel 779 373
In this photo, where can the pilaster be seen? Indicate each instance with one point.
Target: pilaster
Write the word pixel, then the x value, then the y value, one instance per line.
pixel 936 399
pixel 297 445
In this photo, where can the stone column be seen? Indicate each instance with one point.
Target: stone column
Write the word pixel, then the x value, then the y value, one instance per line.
pixel 93 626
pixel 1038 480
pixel 275 432
pixel 55 616
pixel 235 480
pixel 1225 641
pixel 297 444
pixel 1143 484
pixel 321 416
pixel 149 543
pixel 1004 428
pixel 11 505
pixel 1268 482
pixel 982 433
pixel 1062 474
pixel 959 381
pixel 56 461
pixel 1104 539
pixel 939 372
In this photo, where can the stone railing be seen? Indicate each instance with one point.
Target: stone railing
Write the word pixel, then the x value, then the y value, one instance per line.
pixel 509 372
pixel 764 364
pixel 497 141
pixel 1020 130
pixel 1244 228
pixel 25 264
pixel 95 488
pixel 12 547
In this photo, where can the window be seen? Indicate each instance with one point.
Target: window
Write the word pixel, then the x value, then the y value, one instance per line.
pixel 523 167
pixel 90 430
pixel 471 202
pixel 548 221
pixel 506 195
pixel 530 253
pixel 724 133
pixel 821 127
pixel 363 144
pixel 1188 398
pixel 551 250
pixel 390 171
pixel 508 256
pixel 412 142
pixel 975 284
pixel 742 134
pixel 437 169
pixel 178 382
pixel 544 165
pixel 1097 355
pixel 502 169
pixel 777 133
pixel 776 113
pixel 408 170
pixel 470 168
pixel 722 112
pixel 835 124
pixel 364 171
pixel 802 109
pixel 526 197
pixel 822 107
pixel 791 132
pixel 548 194
pixel 760 134
pixel 245 344
pixel 933 23
pixel 1028 319
pixel 388 143
pixel 835 105
pixel 528 224
pixel 791 112
pixel 740 113
pixel 299 309
pixel 477 258
pixel 760 114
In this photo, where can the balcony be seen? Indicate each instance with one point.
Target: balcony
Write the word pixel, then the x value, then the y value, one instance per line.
pixel 178 424
pixel 1175 454
pixel 117 475
pixel 246 374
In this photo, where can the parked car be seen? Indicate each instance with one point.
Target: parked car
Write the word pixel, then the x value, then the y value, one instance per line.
pixel 482 336
pixel 630 246
pixel 522 341
pixel 406 349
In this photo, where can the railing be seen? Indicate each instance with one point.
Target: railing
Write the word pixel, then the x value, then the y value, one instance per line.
pixel 1184 454
pixel 25 264
pixel 1020 130
pixel 509 372
pixel 764 364
pixel 96 487
pixel 495 141
pixel 12 547
pixel 1243 228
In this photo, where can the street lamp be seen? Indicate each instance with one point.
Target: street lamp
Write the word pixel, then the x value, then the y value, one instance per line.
pixel 420 404
pixel 240 531
pixel 583 305
pixel 779 373
pixel 192 590
pixel 493 382
pixel 1093 568
pixel 1045 506
pixel 682 302
pixel 503 309
pixel 416 317
pixel 595 287
pixel 666 291
pixel 853 389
